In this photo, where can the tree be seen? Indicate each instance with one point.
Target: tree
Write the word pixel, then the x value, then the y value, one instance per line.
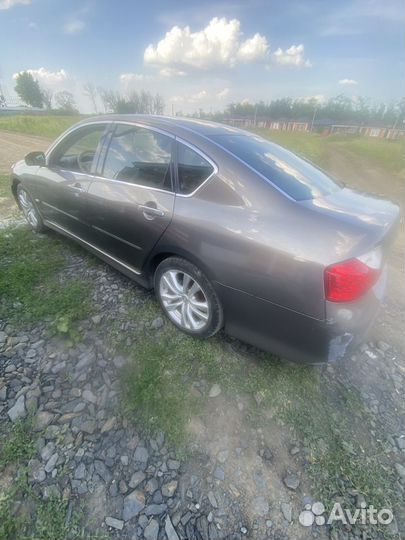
pixel 90 91
pixel 47 96
pixel 66 102
pixel 28 89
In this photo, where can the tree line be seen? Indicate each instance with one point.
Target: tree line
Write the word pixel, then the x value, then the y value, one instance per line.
pixel 31 93
pixel 340 110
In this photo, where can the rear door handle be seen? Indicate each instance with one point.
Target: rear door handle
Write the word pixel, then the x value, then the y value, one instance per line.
pixel 150 212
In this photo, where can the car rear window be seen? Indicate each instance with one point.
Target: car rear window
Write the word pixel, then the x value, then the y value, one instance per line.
pixel 291 174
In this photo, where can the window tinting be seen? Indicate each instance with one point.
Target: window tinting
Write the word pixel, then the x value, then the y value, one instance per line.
pixel 293 175
pixel 76 152
pixel 140 156
pixel 192 169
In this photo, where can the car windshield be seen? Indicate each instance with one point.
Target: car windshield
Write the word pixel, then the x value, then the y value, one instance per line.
pixel 291 174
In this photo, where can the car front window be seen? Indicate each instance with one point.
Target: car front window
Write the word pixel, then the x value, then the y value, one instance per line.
pixel 293 175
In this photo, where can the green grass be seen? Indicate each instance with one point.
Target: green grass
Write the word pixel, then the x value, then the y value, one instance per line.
pixel 5 190
pixel 46 126
pixel 311 146
pixel 30 286
pixel 388 155
pixel 17 444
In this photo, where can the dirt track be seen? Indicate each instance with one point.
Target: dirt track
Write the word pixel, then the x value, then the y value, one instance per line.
pixel 14 146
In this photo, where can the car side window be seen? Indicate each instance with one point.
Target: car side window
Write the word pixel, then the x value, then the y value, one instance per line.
pixel 193 169
pixel 77 151
pixel 139 156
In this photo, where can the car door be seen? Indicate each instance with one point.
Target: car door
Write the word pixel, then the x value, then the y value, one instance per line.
pixel 62 185
pixel 131 200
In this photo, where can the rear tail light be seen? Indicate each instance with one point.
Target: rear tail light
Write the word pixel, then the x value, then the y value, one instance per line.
pixel 349 280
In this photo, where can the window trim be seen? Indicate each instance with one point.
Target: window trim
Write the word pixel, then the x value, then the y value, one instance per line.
pixel 100 165
pixel 61 138
pixel 179 140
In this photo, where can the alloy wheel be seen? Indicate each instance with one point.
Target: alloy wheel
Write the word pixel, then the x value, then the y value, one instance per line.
pixel 28 208
pixel 184 300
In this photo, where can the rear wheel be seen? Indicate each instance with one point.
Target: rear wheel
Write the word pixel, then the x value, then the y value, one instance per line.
pixel 188 298
pixel 29 209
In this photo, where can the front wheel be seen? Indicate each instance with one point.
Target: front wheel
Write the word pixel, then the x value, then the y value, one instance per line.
pixel 29 209
pixel 188 298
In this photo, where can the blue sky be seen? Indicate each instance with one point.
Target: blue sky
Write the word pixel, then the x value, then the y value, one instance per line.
pixel 207 53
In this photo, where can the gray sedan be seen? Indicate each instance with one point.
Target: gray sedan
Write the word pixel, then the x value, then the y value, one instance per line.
pixel 229 229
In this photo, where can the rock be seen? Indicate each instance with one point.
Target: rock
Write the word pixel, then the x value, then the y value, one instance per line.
pixel 155 509
pixel 401 443
pixel 18 409
pixel 212 499
pixel 89 396
pixel 42 420
pixel 260 506
pixel 141 454
pixel 157 323
pixel 222 456
pixel 151 486
pixel 36 472
pixel 286 509
pixel 50 464
pixel 119 362
pixel 151 530
pixel 173 464
pixel 136 479
pixel 52 431
pixel 51 491
pixel 80 472
pixel 170 530
pixel 294 450
pixel 219 474
pixel 134 503
pixel 169 489
pixel 214 391
pixel 47 451
pixel 400 470
pixel 114 523
pixel 108 425
pixel 266 454
pixel 292 481
pixel 382 346
pixel 102 470
pixel 97 320
pixel 85 424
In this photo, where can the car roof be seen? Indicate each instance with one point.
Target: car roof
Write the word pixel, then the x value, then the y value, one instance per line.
pixel 172 124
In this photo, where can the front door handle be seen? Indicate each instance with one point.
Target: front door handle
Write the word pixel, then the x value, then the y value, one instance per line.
pixel 77 187
pixel 150 212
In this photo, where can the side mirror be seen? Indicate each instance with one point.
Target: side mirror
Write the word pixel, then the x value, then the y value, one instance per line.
pixel 35 158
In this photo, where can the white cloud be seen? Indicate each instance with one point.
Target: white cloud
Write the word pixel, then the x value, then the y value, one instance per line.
pixel 223 93
pixel 218 44
pixel 46 77
pixel 171 72
pixel 348 82
pixel 7 4
pixel 74 26
pixel 133 77
pixel 317 98
pixel 293 56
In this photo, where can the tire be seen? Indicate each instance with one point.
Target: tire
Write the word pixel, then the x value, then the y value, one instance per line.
pixel 29 209
pixel 187 298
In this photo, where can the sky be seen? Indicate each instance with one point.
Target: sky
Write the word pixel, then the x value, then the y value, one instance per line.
pixel 206 54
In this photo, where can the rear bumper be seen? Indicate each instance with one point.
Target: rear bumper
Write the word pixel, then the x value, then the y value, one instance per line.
pixel 297 337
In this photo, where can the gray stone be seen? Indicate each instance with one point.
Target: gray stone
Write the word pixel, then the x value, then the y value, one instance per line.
pixel 401 443
pixel 260 506
pixel 108 424
pixel 119 362
pixel 3 337
pixel 47 451
pixel 52 432
pixel 157 323
pixel 222 456
pixel 292 481
pixel 134 503
pixel 151 486
pixel 286 509
pixel 173 464
pixel 214 391
pixel 400 470
pixel 219 474
pixel 51 491
pixel 136 479
pixel 114 523
pixel 169 488
pixel 155 509
pixel 50 464
pixel 36 472
pixel 151 530
pixel 89 396
pixel 42 420
pixel 170 530
pixel 212 499
pixel 141 454
pixel 18 409
pixel 80 472
pixel 102 470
